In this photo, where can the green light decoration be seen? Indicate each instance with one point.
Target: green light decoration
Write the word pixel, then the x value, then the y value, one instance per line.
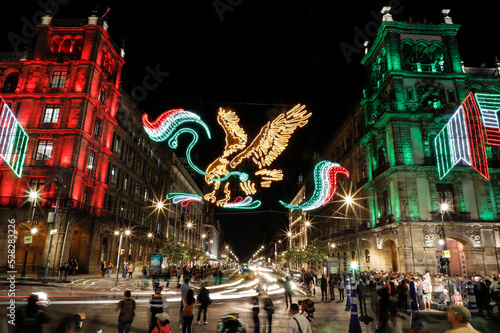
pixel 174 143
pixel 242 176
pixel 463 136
pixel 13 140
pixel 325 185
pixel 183 198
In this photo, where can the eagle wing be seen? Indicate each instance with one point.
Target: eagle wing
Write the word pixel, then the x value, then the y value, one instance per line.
pixel 273 138
pixel 236 138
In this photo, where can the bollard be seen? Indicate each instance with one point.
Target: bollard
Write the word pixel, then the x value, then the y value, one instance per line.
pixel 354 324
pixel 348 293
pixel 415 319
pixel 471 297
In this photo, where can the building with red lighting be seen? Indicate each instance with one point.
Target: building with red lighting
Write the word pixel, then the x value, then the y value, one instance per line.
pixel 89 160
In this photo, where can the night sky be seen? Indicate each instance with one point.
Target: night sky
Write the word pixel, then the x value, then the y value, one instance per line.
pixel 258 58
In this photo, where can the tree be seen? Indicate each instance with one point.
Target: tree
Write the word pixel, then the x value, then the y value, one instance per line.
pixel 315 252
pixel 172 249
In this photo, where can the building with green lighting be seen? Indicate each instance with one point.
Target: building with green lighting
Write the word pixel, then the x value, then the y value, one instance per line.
pixel 416 81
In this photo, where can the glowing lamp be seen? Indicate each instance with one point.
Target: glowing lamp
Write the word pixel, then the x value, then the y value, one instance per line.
pixel 34 230
pixel 117 232
pixel 127 232
pixel 354 265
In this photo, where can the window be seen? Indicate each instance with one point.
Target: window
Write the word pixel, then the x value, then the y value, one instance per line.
pixel 10 84
pixel 137 188
pixel 44 150
pixel 410 94
pixel 37 184
pixel 451 96
pixel 112 177
pixel 90 164
pixel 58 79
pixel 145 195
pixel 125 182
pixel 102 95
pixel 117 145
pixel 51 114
pixel 97 127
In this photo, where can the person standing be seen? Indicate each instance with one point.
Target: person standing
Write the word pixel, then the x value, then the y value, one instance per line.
pixel 204 300
pixel 162 321
pixel 110 269
pixel 155 307
pixel 130 270
pixel 288 291
pixel 427 292
pixel 31 317
pixel 124 270
pixel 332 287
pixel 167 279
pixel 297 324
pixel 103 268
pixel 127 312
pixel 360 293
pixel 255 310
pixel 324 287
pixel 341 289
pixel 460 317
pixel 188 312
pixel 184 290
pixel 269 308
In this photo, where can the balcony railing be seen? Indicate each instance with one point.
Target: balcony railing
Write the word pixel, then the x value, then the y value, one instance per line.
pixel 451 216
pixel 380 169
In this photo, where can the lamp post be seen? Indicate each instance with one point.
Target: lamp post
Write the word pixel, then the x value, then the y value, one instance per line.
pixel 33 196
pixel 444 208
pixel 121 232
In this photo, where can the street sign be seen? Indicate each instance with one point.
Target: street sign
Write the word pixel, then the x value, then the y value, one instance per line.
pixel 28 239
pixel 446 254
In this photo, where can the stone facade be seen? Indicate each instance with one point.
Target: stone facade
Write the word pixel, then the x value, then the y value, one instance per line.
pixel 415 82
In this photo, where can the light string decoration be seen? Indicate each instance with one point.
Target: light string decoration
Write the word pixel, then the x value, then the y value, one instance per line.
pixel 13 140
pixel 462 139
pixel 269 143
pixel 183 198
pixel 325 185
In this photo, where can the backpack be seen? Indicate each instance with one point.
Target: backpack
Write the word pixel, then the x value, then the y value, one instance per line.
pixel 29 324
pixel 425 287
pixel 127 314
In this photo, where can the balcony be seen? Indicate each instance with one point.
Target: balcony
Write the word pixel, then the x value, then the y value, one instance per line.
pixel 380 169
pixel 451 216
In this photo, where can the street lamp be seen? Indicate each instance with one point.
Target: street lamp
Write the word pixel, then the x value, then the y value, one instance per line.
pixel 33 196
pixel 120 232
pixel 444 209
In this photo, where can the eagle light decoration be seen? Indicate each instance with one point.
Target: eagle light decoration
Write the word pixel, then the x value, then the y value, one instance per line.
pixel 260 153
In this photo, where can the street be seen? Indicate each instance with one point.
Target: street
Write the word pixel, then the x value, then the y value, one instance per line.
pixel 97 298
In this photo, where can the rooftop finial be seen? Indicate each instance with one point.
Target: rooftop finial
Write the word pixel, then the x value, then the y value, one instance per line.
pixel 386 12
pixel 447 18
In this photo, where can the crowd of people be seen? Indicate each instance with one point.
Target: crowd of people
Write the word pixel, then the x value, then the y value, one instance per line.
pixel 69 267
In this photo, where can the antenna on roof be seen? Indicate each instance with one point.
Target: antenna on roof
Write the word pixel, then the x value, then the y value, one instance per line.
pixel 107 11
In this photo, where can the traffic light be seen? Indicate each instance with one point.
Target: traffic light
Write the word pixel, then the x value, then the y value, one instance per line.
pixel 444 262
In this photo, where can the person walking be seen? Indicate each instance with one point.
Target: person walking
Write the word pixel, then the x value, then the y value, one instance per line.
pixel 162 320
pixel 31 318
pixel 127 312
pixel 288 291
pixel 204 300
pixel 332 287
pixel 341 289
pixel 167 279
pixel 297 324
pixel 103 268
pixel 188 312
pixel 324 286
pixel 155 307
pixel 269 308
pixel 255 310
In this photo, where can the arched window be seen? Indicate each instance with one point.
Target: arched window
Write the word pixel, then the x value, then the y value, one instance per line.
pixel 10 83
pixel 367 256
pixel 78 44
pixel 55 44
pixel 66 45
